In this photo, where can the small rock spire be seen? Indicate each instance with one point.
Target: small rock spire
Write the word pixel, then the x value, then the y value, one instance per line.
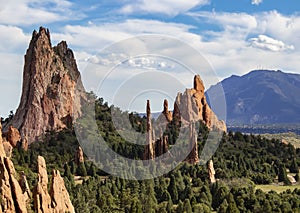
pixel 211 172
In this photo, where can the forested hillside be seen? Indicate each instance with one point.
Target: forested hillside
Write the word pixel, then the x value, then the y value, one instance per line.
pixel 241 162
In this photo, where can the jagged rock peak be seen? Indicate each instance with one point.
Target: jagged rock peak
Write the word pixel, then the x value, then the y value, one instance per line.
pixel 43 34
pixel 191 106
pixel 52 89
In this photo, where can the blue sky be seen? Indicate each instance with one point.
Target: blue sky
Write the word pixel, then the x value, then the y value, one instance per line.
pixel 234 36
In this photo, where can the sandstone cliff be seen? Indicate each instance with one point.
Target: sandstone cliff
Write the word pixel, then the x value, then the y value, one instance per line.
pixel 51 91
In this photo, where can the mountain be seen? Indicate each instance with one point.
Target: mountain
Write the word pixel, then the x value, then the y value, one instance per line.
pixel 52 88
pixel 261 97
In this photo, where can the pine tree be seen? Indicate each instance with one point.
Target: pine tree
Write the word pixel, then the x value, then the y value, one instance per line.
pixel 294 166
pixel 282 176
pixel 187 208
pixel 81 170
pixel 172 189
pixel 232 208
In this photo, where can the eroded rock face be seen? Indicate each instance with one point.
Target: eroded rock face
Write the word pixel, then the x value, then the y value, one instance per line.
pixel 191 106
pixel 149 153
pixel 52 88
pixel 193 157
pixel 211 172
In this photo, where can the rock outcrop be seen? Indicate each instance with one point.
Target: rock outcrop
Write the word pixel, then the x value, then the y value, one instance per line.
pixel 52 88
pixel 149 153
pixel 42 199
pixel 161 145
pixel 166 112
pixel 12 197
pixel 79 158
pixel 15 195
pixel 58 200
pixel 13 136
pixel 211 172
pixel 24 184
pixel 191 106
pixel 60 197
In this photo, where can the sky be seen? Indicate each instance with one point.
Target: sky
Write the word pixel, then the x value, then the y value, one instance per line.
pixel 233 37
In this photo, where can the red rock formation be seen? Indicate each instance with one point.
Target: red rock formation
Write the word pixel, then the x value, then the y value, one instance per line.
pixel 191 106
pixel 79 156
pixel 12 197
pixel 13 136
pixel 161 145
pixel 60 197
pixel 52 88
pixel 42 199
pixel 211 172
pixel 166 112
pixel 24 184
pixel 150 138
pixel 58 200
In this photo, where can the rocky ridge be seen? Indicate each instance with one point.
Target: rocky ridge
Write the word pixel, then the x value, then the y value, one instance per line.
pixel 52 88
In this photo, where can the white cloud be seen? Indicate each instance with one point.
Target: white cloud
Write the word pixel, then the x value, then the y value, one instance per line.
pixel 267 43
pixel 227 20
pixel 13 39
pixel 256 2
pixel 169 7
pixel 28 12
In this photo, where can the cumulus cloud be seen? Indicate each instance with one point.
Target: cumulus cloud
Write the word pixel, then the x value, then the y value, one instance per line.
pixel 256 2
pixel 267 43
pixel 168 7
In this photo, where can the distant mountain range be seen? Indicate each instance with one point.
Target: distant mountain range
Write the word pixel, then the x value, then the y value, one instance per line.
pixel 261 97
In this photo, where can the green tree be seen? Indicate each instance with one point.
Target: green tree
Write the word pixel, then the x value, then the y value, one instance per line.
pixel 232 208
pixel 172 189
pixel 81 170
pixel 187 208
pixel 282 176
pixel 294 166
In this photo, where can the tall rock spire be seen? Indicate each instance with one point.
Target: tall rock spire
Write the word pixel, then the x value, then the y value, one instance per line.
pixel 150 139
pixel 52 88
